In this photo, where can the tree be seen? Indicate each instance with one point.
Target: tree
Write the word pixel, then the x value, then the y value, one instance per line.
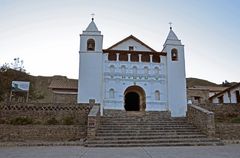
pixel 4 67
pixel 9 73
pixel 18 65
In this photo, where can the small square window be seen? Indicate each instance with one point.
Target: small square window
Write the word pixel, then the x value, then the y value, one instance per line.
pixel 131 48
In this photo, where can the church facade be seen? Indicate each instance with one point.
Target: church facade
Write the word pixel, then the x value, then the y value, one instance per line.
pixel 130 75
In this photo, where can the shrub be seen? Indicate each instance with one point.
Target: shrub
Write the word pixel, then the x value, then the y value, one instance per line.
pixel 21 121
pixel 52 121
pixel 68 121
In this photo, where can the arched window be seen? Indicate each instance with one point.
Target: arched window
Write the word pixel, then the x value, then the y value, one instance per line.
pixel 156 58
pixel 145 70
pixel 91 45
pixel 112 69
pixel 112 57
pixel 134 70
pixel 123 69
pixel 174 54
pixel 157 95
pixel 156 71
pixel 111 93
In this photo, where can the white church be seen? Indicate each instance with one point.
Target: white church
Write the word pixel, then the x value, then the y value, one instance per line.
pixel 130 75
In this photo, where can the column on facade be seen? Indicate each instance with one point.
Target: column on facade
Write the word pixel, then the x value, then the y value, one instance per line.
pixel 117 56
pixel 151 57
pixel 140 57
pixel 129 57
pixel 106 56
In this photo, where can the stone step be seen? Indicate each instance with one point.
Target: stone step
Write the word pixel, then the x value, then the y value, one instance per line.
pixel 119 130
pixel 152 141
pixel 142 122
pixel 122 113
pixel 131 129
pixel 149 134
pixel 148 137
pixel 137 133
pixel 156 144
pixel 146 129
pixel 145 126
pixel 140 119
pixel 142 116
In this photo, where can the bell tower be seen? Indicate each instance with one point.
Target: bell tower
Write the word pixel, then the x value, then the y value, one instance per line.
pixel 176 77
pixel 90 80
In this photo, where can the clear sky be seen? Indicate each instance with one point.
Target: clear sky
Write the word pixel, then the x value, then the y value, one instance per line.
pixel 45 33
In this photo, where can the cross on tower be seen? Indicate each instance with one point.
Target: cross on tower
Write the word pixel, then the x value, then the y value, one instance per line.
pixel 92 16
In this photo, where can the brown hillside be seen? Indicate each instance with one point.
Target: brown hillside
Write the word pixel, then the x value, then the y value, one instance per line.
pixel 199 82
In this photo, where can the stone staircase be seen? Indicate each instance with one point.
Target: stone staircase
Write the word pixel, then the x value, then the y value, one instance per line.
pixel 131 129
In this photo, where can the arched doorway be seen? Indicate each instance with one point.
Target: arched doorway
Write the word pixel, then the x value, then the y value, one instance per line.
pixel 134 99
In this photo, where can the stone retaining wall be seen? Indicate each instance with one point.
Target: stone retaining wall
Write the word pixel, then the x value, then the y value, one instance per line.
pixel 223 111
pixel 41 132
pixel 201 118
pixel 40 127
pixel 228 131
pixel 41 112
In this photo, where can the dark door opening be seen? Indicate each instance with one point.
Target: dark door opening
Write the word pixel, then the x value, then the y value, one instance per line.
pixel 237 96
pixel 132 101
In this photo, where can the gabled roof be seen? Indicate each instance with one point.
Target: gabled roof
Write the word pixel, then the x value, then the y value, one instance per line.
pixel 133 38
pixel 226 90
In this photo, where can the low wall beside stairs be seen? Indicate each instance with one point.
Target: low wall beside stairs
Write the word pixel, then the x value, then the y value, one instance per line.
pixel 202 119
pixel 228 131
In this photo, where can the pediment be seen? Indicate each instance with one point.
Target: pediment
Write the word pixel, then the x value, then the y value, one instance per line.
pixel 131 41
